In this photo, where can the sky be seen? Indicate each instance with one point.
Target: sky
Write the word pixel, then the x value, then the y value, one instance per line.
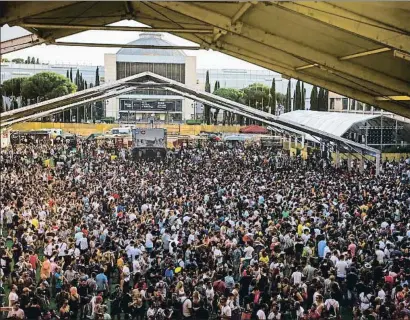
pixel 206 59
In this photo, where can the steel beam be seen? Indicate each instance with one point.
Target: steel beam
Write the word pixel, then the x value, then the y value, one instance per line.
pixel 100 97
pixel 113 28
pixel 20 43
pixel 365 53
pixel 293 48
pixel 350 56
pixel 15 11
pixel 402 55
pixel 119 45
pixel 265 117
pixel 331 14
pixel 394 98
pixel 330 85
pixel 127 84
pixel 235 18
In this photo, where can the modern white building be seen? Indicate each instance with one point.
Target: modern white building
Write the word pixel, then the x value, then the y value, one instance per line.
pixel 339 103
pixel 240 78
pixel 144 104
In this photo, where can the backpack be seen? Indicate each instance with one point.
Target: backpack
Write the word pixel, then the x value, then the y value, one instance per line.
pixel 179 308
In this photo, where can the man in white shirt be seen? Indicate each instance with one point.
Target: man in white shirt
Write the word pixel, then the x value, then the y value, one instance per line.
pixel 218 255
pixel 380 255
pixel 341 268
pixel 261 315
pixel 296 277
pixel 13 297
pixel 226 312
pixel 149 244
pixel 83 244
pixel 248 252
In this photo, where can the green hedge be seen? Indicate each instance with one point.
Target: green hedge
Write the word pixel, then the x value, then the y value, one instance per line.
pixel 193 122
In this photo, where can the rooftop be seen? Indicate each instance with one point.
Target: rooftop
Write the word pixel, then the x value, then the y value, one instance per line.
pixel 150 39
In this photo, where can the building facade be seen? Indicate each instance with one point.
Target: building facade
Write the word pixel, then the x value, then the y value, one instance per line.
pixel 142 105
pixel 339 103
pixel 239 78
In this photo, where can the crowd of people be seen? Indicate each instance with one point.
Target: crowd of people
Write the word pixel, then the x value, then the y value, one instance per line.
pixel 208 232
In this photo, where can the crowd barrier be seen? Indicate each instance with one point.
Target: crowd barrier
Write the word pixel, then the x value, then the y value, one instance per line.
pixel 85 129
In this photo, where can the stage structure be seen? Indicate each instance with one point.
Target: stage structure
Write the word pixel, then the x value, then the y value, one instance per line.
pixel 149 143
pixel 152 80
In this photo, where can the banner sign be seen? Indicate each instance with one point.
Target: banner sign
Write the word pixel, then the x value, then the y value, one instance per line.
pixel 147 105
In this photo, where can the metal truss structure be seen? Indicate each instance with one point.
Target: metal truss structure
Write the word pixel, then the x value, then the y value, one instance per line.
pixel 151 80
pixel 359 49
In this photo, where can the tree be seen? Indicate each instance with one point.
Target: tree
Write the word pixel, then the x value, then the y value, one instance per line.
pixel 280 98
pixel 272 97
pixel 256 95
pixel 216 113
pixel 46 85
pixel 297 101
pixel 314 100
pixel 231 94
pixel 207 109
pixel 5 60
pixel 38 61
pixel 216 86
pixel 68 74
pixel 322 100
pixel 1 100
pixel 288 102
pixel 97 77
pixel 71 74
pixel 77 79
pixel 303 94
pixel 18 60
pixel 326 102
pixel 99 109
pixel 33 60
pixel 28 60
pixel 13 87
pixel 14 105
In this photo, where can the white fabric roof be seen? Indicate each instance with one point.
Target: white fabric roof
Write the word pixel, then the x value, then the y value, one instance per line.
pixel 335 123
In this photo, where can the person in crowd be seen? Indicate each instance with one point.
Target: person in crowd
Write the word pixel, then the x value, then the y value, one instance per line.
pixel 208 231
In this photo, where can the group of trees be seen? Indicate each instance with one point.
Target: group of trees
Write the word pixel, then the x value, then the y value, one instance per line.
pixel 39 87
pixel 261 97
pixel 319 101
pixel 89 111
pixel 48 85
pixel 29 60
pixel 256 95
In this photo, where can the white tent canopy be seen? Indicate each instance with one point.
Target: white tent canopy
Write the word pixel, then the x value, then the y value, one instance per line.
pixel 335 123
